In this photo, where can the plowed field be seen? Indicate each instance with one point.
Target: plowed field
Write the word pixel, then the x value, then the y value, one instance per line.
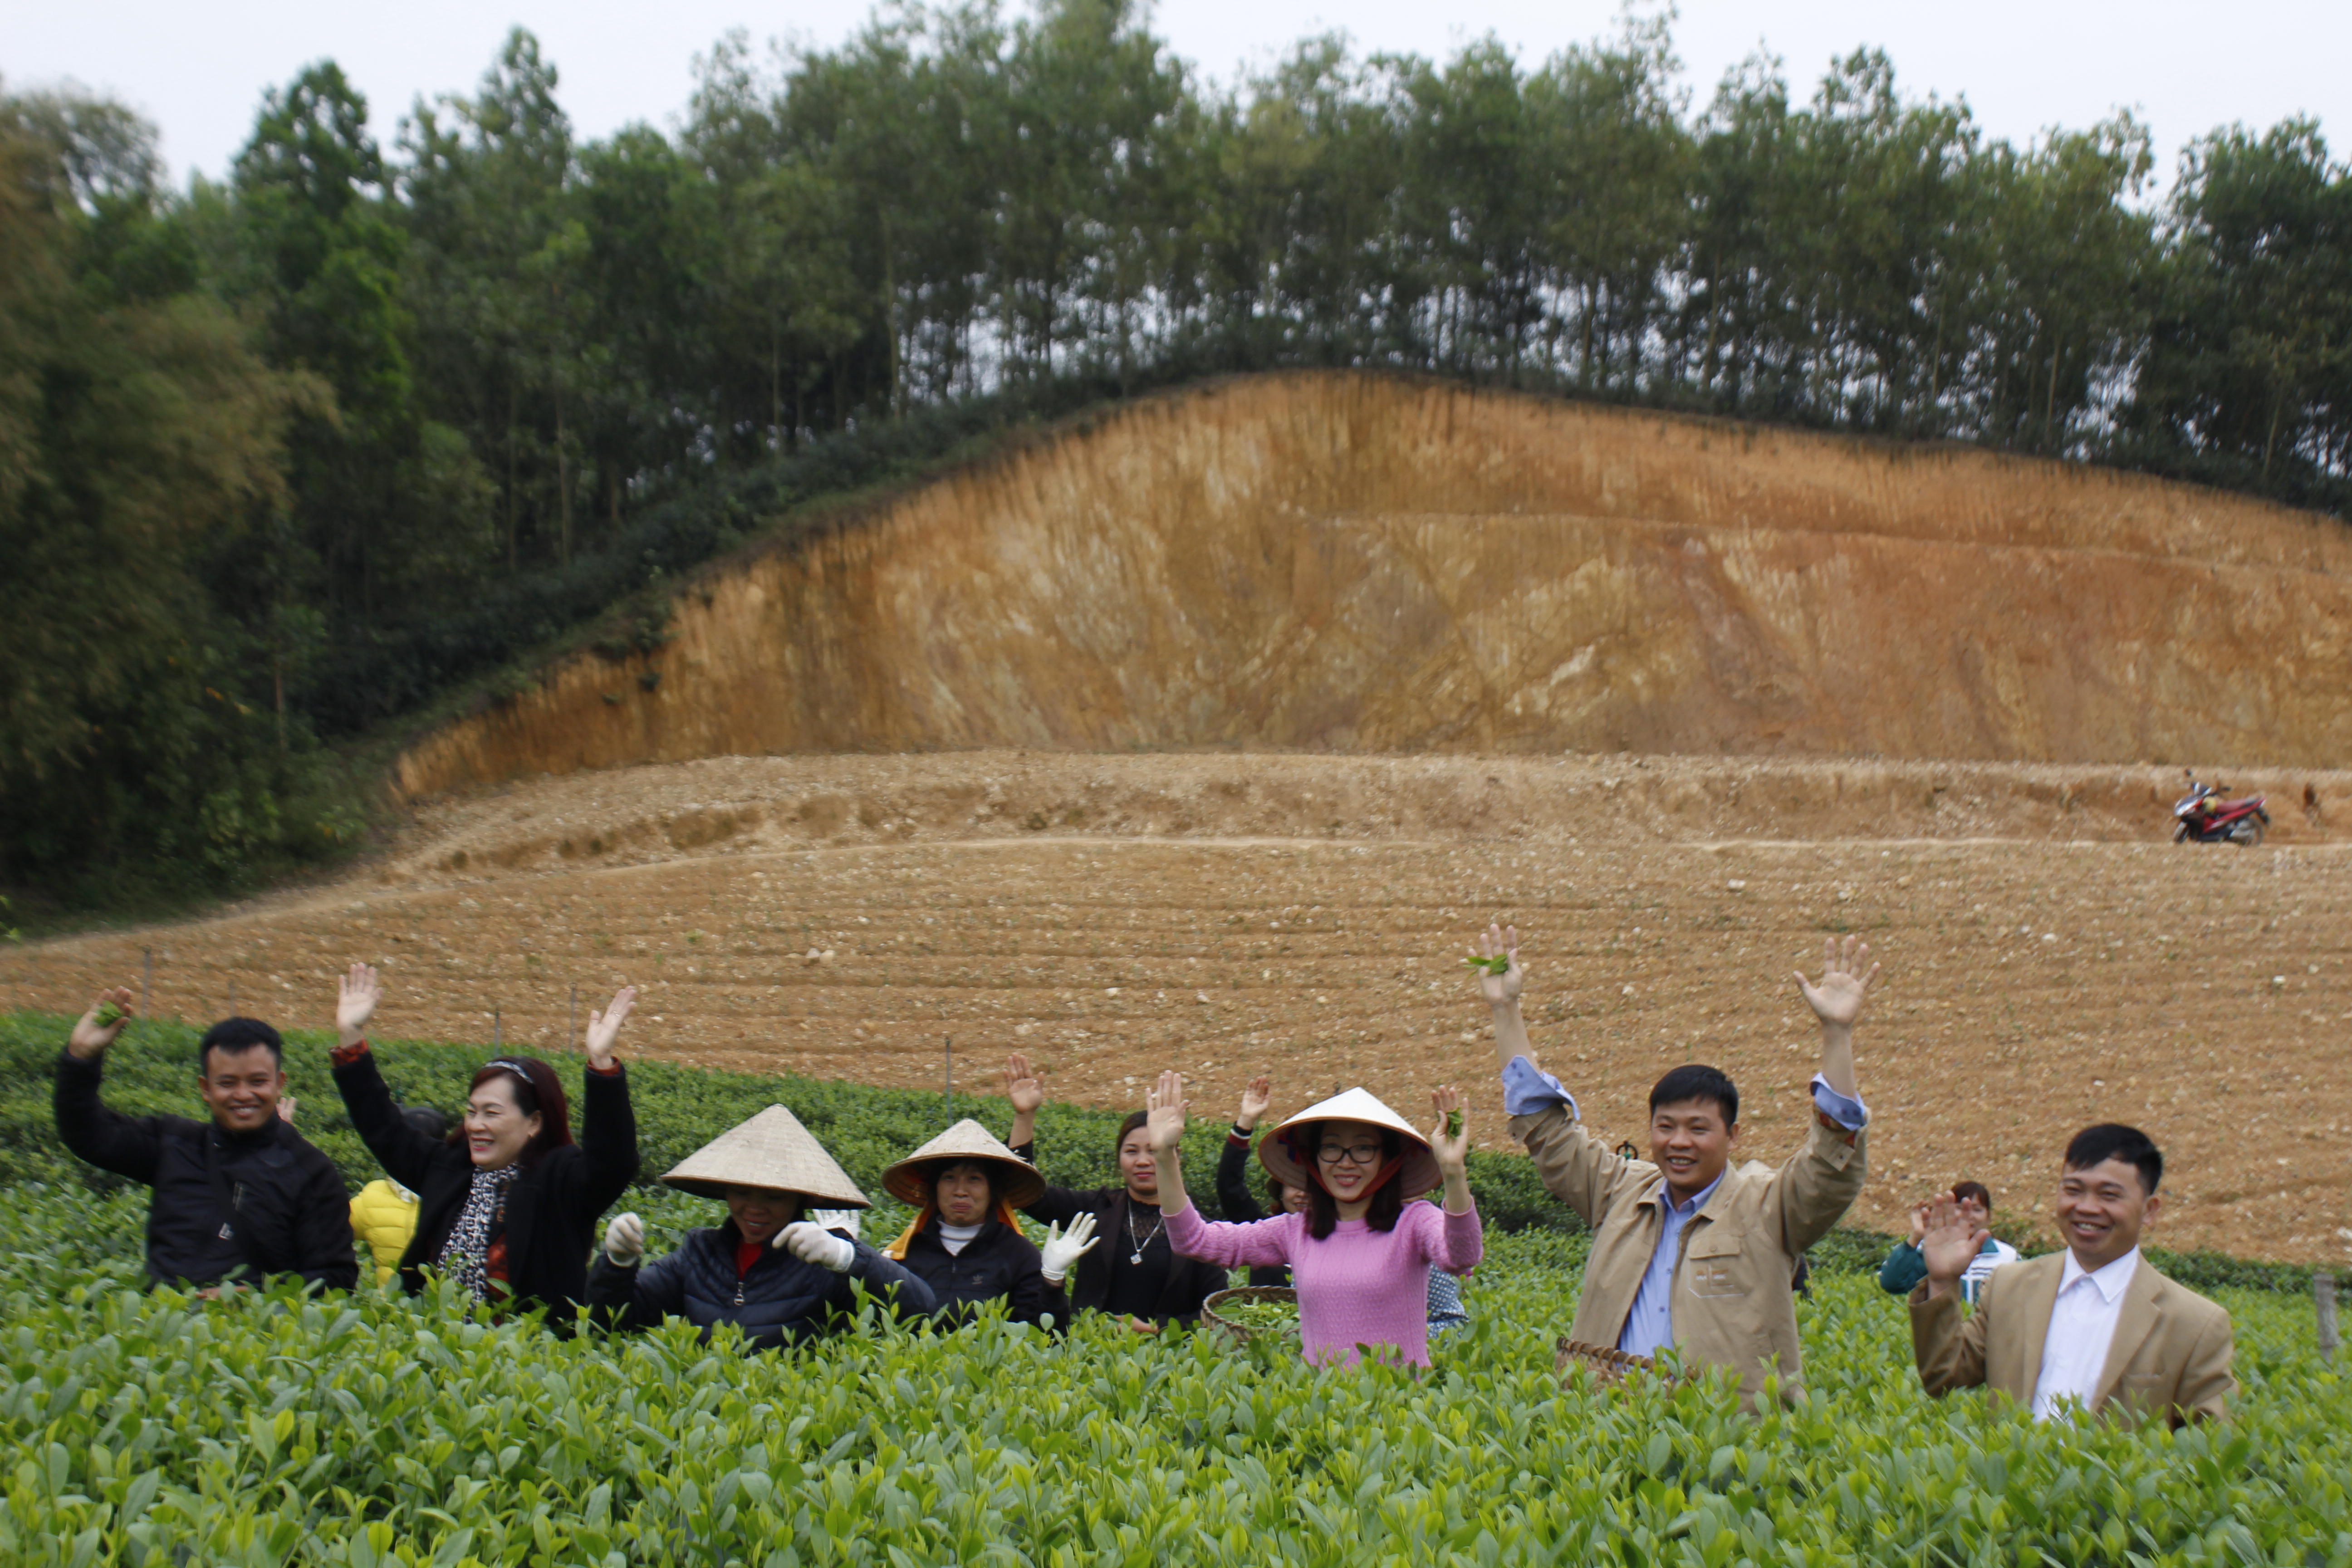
pixel 2050 960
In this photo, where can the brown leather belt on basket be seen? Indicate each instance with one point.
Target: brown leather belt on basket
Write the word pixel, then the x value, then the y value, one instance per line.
pixel 1608 1365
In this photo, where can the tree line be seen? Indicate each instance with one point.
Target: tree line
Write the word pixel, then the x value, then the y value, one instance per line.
pixel 286 455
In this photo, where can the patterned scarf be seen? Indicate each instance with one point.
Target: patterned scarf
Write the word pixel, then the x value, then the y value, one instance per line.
pixel 464 1254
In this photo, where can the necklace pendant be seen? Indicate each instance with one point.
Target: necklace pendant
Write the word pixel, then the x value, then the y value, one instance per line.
pixel 1136 1257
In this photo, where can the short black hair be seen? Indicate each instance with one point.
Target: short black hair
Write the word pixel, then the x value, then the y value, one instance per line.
pixel 427 1121
pixel 1698 1081
pixel 236 1034
pixel 1976 1190
pixel 2114 1141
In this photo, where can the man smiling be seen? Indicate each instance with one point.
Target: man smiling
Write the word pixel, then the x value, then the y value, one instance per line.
pixel 1690 1252
pixel 2094 1328
pixel 236 1197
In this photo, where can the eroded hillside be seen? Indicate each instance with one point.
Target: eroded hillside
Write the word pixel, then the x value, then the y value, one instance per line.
pixel 1361 563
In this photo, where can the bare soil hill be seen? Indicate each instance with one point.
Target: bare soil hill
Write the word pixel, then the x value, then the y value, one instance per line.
pixel 1372 563
pixel 2051 959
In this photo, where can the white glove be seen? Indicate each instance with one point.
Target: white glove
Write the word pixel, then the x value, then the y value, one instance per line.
pixel 1063 1248
pixel 812 1243
pixel 838 1219
pixel 625 1240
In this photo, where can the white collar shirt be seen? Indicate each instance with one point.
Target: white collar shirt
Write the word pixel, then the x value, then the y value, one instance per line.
pixel 2082 1326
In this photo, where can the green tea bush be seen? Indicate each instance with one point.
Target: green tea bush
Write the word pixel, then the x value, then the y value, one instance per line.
pixel 152 1428
pixel 367 1429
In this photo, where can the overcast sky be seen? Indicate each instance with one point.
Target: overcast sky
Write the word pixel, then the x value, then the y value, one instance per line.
pixel 198 71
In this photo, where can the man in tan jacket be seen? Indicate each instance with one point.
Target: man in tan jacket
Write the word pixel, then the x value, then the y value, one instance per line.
pixel 1689 1252
pixel 2095 1327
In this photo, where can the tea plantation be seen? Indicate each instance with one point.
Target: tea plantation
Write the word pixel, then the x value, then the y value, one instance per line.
pixel 146 1428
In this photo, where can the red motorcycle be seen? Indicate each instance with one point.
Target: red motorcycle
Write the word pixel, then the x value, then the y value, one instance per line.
pixel 2204 817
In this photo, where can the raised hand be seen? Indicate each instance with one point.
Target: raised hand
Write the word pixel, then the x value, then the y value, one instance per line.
pixel 1846 976
pixel 356 994
pixel 625 1240
pixel 1255 1097
pixel 605 1027
pixel 1500 942
pixel 1920 1221
pixel 838 1219
pixel 1063 1248
pixel 1165 1101
pixel 1451 1149
pixel 1023 1088
pixel 97 1029
pixel 1949 1244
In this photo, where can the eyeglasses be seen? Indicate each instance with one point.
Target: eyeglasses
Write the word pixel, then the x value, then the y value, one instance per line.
pixel 1350 1154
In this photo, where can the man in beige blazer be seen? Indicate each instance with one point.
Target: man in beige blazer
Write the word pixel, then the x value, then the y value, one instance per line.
pixel 1692 1249
pixel 2094 1327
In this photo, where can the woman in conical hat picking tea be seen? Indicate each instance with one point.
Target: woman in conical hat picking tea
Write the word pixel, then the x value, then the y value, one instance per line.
pixel 771 1270
pixel 966 1243
pixel 1359 1254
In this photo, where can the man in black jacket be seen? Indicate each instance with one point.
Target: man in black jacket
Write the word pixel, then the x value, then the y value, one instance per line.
pixel 237 1197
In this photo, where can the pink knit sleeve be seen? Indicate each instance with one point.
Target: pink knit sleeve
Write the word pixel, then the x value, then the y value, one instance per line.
pixel 1454 1242
pixel 1256 1244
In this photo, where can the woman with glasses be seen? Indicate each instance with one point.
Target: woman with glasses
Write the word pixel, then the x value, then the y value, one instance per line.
pixel 1359 1254
pixel 1446 1311
pixel 508 1212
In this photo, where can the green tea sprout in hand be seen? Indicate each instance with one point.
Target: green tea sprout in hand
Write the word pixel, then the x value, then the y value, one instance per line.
pixel 96 1029
pixel 1499 964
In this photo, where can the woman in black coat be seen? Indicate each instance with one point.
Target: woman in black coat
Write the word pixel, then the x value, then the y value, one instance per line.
pixel 511 1210
pixel 1134 1273
pixel 966 1243
pixel 772 1273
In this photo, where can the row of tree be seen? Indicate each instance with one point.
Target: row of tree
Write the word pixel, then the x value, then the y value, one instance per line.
pixel 281 458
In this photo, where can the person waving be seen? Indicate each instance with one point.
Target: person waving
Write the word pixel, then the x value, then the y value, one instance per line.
pixel 1360 1254
pixel 510 1212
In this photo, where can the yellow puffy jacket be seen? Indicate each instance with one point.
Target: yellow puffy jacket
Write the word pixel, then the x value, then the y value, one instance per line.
pixel 385 1217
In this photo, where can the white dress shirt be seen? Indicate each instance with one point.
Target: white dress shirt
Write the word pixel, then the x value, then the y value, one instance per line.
pixel 2082 1326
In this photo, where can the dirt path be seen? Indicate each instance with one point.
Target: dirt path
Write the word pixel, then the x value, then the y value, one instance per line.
pixel 1312 926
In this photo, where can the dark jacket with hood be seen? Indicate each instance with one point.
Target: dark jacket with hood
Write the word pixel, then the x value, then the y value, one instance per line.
pixel 280 1201
pixel 779 1299
pixel 552 1209
pixel 999 1261
pixel 1165 1286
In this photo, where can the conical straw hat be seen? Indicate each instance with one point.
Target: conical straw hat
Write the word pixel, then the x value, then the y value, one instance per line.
pixel 1286 1152
pixel 1018 1182
pixel 773 1150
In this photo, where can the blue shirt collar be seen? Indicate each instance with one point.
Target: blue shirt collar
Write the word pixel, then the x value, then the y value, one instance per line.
pixel 1665 1195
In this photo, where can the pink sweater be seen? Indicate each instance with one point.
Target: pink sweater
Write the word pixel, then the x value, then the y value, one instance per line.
pixel 1357 1286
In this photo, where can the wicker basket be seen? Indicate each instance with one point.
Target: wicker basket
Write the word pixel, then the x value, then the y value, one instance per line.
pixel 1244 1332
pixel 1607 1365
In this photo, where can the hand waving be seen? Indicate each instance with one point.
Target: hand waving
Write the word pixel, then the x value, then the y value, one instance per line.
pixel 1501 941
pixel 1063 1248
pixel 1165 1099
pixel 1844 982
pixel 1023 1088
pixel 1951 1243
pixel 356 994
pixel 1255 1097
pixel 605 1027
